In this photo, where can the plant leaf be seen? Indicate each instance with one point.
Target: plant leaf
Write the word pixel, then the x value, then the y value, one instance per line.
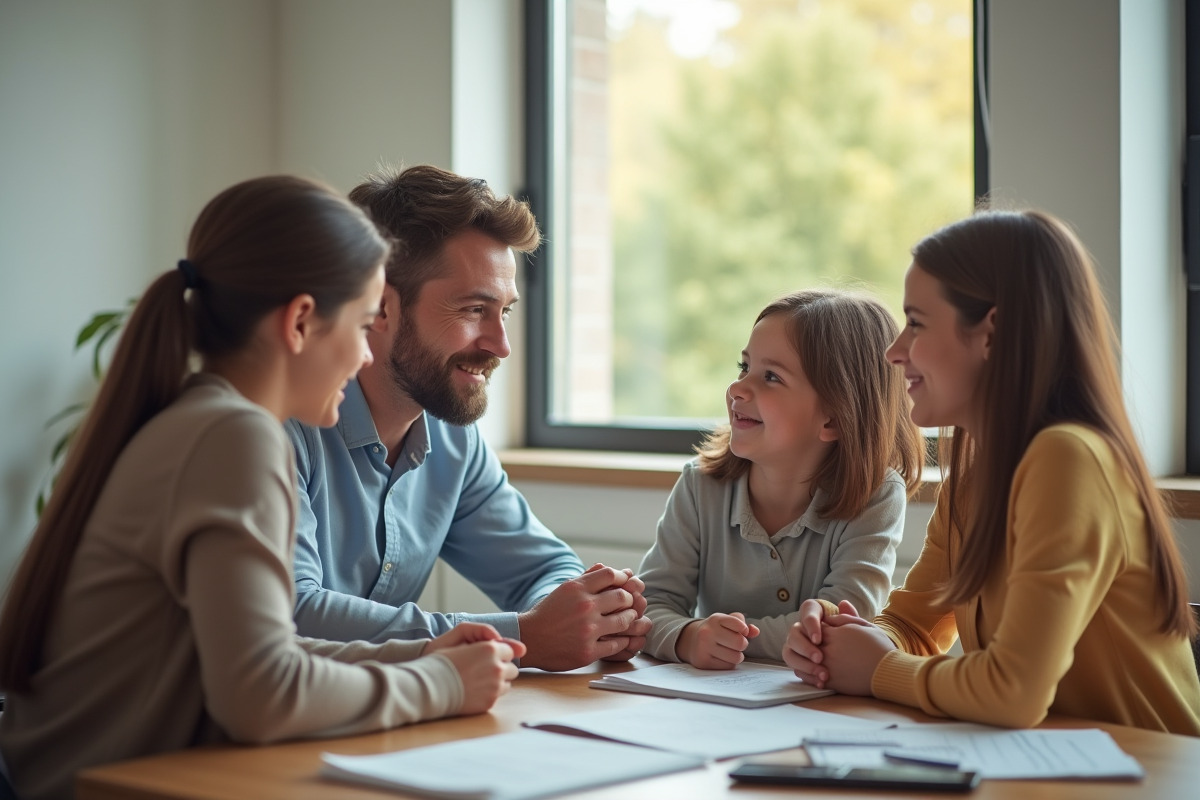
pixel 61 445
pixel 74 408
pixel 104 337
pixel 97 322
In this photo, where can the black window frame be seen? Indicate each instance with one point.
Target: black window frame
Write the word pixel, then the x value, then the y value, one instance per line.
pixel 667 436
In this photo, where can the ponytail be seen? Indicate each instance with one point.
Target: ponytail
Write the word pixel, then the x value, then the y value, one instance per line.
pixel 253 248
pixel 147 370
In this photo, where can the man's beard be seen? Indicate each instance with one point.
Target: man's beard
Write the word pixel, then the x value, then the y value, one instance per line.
pixel 421 374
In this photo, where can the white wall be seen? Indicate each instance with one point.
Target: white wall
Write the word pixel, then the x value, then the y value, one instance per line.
pixel 117 125
pixel 1087 123
pixel 362 83
pixel 1153 284
pixel 120 119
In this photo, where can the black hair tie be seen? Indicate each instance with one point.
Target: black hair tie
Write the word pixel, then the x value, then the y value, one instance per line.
pixel 191 278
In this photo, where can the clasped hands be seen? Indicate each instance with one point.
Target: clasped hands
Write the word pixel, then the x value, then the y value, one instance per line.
pixel 836 651
pixel 596 616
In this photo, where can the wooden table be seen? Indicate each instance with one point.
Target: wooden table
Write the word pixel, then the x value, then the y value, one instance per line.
pixel 289 771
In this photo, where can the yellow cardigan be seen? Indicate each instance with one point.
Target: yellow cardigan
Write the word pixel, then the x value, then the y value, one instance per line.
pixel 1065 625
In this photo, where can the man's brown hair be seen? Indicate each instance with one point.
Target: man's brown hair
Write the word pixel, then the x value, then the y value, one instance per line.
pixel 423 206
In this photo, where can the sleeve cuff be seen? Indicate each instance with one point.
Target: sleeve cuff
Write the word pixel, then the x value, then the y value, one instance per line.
pixel 897 679
pixel 447 683
pixel 664 635
pixel 505 622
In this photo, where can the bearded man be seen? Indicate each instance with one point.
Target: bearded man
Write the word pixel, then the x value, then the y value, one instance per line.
pixel 405 477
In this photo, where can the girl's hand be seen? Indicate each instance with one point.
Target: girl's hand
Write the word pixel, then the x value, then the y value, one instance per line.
pixel 486 671
pixel 802 651
pixel 717 642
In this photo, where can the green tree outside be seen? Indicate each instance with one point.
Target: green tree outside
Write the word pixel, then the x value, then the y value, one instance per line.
pixel 822 144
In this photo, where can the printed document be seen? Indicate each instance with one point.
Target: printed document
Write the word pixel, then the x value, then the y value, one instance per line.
pixel 705 729
pixel 522 765
pixel 995 753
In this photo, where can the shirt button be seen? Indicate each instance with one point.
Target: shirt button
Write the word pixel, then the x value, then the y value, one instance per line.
pixel 375 449
pixel 783 595
pixel 774 555
pixel 413 458
pixel 387 567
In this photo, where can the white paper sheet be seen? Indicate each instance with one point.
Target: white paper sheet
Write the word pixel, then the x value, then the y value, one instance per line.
pixel 749 685
pixel 705 729
pixel 522 765
pixel 995 753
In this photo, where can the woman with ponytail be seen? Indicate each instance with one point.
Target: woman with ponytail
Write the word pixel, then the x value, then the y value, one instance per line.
pixel 152 609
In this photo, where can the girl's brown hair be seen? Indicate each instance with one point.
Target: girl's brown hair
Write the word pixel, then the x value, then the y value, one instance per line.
pixel 1052 360
pixel 841 338
pixel 254 247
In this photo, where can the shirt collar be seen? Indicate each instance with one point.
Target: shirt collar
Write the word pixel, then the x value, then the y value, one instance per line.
pixel 357 427
pixel 741 515
pixel 416 443
pixel 354 418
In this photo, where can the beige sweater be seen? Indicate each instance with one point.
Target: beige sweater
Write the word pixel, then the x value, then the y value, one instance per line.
pixel 175 626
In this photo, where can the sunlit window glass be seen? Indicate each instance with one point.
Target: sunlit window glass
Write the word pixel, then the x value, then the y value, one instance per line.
pixel 713 154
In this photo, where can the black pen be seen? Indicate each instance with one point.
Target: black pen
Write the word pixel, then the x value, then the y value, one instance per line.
pixel 922 757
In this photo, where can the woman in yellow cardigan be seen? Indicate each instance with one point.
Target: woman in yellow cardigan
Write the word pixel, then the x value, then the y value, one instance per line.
pixel 1050 552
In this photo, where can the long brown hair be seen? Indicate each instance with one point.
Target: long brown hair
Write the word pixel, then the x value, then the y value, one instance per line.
pixel 841 338
pixel 1052 360
pixel 253 248
pixel 423 206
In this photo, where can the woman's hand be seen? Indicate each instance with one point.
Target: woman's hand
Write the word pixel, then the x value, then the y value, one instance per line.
pixel 486 671
pixel 850 652
pixel 802 649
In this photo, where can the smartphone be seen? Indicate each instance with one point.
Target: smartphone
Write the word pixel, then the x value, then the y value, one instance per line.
pixel 914 778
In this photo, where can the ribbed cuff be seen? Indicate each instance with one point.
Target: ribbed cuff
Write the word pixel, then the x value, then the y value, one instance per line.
pixel 896 678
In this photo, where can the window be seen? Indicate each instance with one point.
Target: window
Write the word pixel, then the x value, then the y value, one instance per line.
pixel 691 160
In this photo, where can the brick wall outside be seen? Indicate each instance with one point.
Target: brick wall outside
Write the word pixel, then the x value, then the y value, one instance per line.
pixel 589 274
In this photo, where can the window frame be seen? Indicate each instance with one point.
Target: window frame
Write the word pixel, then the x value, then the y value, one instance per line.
pixel 542 19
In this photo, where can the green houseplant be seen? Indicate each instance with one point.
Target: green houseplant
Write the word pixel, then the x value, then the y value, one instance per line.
pixel 98 331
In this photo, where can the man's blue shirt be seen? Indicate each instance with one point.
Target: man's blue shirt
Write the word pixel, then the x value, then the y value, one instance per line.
pixel 368 535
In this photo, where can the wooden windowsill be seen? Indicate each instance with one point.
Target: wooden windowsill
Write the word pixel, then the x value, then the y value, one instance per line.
pixel 658 471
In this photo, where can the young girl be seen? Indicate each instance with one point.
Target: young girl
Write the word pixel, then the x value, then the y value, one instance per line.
pixel 1050 552
pixel 802 495
pixel 153 607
